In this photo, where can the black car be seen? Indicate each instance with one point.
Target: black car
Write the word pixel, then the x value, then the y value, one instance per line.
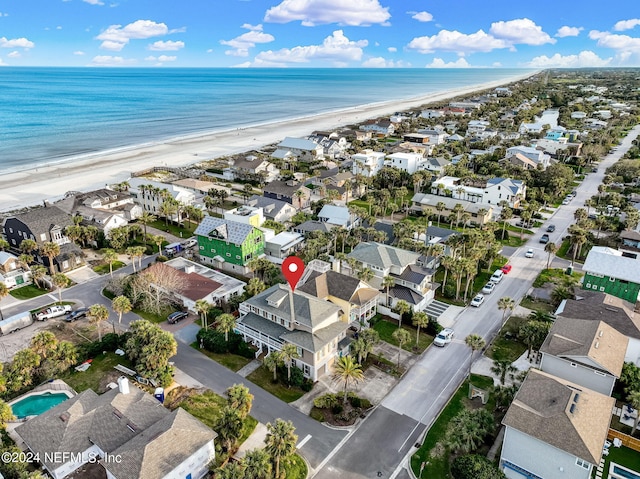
pixel 551 228
pixel 77 314
pixel 177 316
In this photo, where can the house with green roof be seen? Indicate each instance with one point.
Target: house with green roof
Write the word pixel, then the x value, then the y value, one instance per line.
pixel 228 245
pixel 277 317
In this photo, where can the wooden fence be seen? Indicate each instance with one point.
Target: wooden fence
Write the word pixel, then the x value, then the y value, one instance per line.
pixel 627 441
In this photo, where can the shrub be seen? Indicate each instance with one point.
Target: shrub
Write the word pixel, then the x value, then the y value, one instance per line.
pixel 110 342
pixel 337 409
pixel 434 327
pixel 326 401
pixel 355 401
pixel 161 258
pixel 307 385
pixel 475 466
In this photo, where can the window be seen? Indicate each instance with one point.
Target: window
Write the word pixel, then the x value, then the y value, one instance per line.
pixel 574 365
pixel 599 373
pixel 237 256
pixel 601 288
pixel 588 285
pixel 65 264
pixel 611 279
pixel 299 350
pixel 43 237
pixel 229 255
pixel 582 463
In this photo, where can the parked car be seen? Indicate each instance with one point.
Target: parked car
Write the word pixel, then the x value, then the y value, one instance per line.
pixel 444 337
pixel 529 253
pixel 566 201
pixel 544 239
pixel 489 287
pixel 477 301
pixel 177 316
pixel 506 268
pixel 551 228
pixel 77 314
pixel 53 312
pixel 496 277
pixel 524 224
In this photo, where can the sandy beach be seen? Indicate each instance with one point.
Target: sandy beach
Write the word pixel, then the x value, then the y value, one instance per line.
pixel 32 186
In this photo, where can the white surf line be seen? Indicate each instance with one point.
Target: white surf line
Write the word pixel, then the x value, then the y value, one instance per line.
pixel 304 441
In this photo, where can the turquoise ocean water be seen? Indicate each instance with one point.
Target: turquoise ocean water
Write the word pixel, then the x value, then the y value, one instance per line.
pixel 50 114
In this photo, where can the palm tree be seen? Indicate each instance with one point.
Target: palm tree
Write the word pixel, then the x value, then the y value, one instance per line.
pixel 365 275
pixel 110 256
pixel 121 305
pixel 146 218
pixel 158 240
pixel 560 293
pixel 402 336
pixel 505 214
pixel 577 238
pixel 551 249
pixel 402 307
pixel 38 272
pixel 229 426
pixel 60 281
pixel 44 343
pixel 4 244
pixel 475 342
pixel 288 354
pixel 388 282
pixel 27 246
pixel 420 320
pixel 230 470
pixel 272 361
pixel 347 371
pixel 257 464
pixel 203 308
pixel 50 250
pixel 440 207
pixel 634 400
pixel 280 442
pixel 65 355
pixel 224 324
pixel 502 367
pixel 532 334
pixel 299 194
pixel 239 398
pixel 505 304
pixel 98 313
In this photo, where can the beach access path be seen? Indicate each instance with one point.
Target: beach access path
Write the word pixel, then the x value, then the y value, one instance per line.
pixel 31 186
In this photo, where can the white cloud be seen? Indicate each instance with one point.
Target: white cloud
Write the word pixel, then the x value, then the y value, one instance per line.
pixel 626 24
pixel 422 16
pixel 380 62
pixel 93 2
pixel 567 31
pixel 454 41
pixel 169 45
pixel 520 30
pixel 337 49
pixel 16 43
pixel 440 63
pixel 623 43
pixel 585 58
pixel 58 27
pixel 496 64
pixel 161 58
pixel 320 12
pixel 392 49
pixel 4 14
pixel 241 44
pixel 210 50
pixel 110 61
pixel 116 36
pixel 14 54
pixel 78 52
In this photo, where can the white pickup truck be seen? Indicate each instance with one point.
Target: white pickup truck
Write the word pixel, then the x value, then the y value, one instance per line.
pixel 53 312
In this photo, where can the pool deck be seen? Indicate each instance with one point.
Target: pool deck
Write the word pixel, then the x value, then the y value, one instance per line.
pixel 55 386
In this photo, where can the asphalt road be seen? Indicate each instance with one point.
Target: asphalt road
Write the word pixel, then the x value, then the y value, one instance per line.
pixel 386 439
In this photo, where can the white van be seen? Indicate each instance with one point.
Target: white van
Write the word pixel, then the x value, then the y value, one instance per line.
pixel 497 276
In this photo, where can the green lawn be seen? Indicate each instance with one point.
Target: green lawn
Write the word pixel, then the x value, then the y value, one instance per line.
pixel 264 378
pixel 172 228
pixel 537 305
pixel 295 468
pixel 231 361
pixel 386 328
pixel 438 466
pixel 507 345
pixel 91 378
pixel 152 317
pixel 556 276
pixel 27 292
pixel 624 456
pixel 104 268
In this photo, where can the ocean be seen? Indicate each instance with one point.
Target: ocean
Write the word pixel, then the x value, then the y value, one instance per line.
pixel 53 114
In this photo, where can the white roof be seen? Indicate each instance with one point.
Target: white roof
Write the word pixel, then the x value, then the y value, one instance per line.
pixel 285 238
pixel 610 262
pixel 5 256
pixel 339 213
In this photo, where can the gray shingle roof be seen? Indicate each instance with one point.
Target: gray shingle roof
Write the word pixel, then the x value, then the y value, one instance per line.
pixel 298 144
pixel 40 220
pixel 545 408
pixel 309 311
pixel 405 294
pixel 313 225
pixel 263 325
pixel 383 256
pixel 318 339
pixel 225 230
pixel 331 283
pixel 284 188
pixel 271 207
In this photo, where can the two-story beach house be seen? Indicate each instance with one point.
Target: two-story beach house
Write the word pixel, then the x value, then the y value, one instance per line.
pixel 554 429
pixel 12 273
pixel 277 316
pixel 367 163
pixel 428 204
pixel 379 127
pixel 276 210
pixel 413 282
pixel 589 353
pixel 409 162
pixel 608 271
pixel 300 149
pixel 539 157
pixel 251 168
pixel 151 194
pixel 43 225
pixel 229 245
pixel 291 191
pixel 356 299
pixel 490 191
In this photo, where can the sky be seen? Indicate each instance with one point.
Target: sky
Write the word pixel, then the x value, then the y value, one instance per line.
pixel 320 33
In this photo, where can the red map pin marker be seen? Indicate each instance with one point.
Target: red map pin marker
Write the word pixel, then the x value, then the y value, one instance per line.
pixel 292 269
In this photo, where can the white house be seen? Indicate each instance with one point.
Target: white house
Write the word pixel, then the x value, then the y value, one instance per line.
pixel 150 195
pixel 435 137
pixel 367 163
pixel 491 191
pixel 554 429
pixel 530 152
pixel 380 127
pixel 298 148
pixel 282 245
pixel 589 353
pixel 409 162
pixel 276 210
pixel 250 215
pixel 578 115
pixel 475 127
pixel 432 114
pixel 338 216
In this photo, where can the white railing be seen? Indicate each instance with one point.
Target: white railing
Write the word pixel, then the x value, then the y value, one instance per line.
pixel 258 336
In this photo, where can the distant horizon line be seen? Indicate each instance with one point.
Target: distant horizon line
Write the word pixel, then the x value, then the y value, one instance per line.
pixel 163 67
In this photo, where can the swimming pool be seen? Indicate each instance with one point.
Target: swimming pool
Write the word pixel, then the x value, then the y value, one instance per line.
pixel 618 471
pixel 37 404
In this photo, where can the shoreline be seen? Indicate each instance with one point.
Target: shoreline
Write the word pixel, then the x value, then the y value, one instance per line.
pixel 28 187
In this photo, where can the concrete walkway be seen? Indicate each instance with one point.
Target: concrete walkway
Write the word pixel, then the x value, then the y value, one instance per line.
pixel 484 364
pixel 249 368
